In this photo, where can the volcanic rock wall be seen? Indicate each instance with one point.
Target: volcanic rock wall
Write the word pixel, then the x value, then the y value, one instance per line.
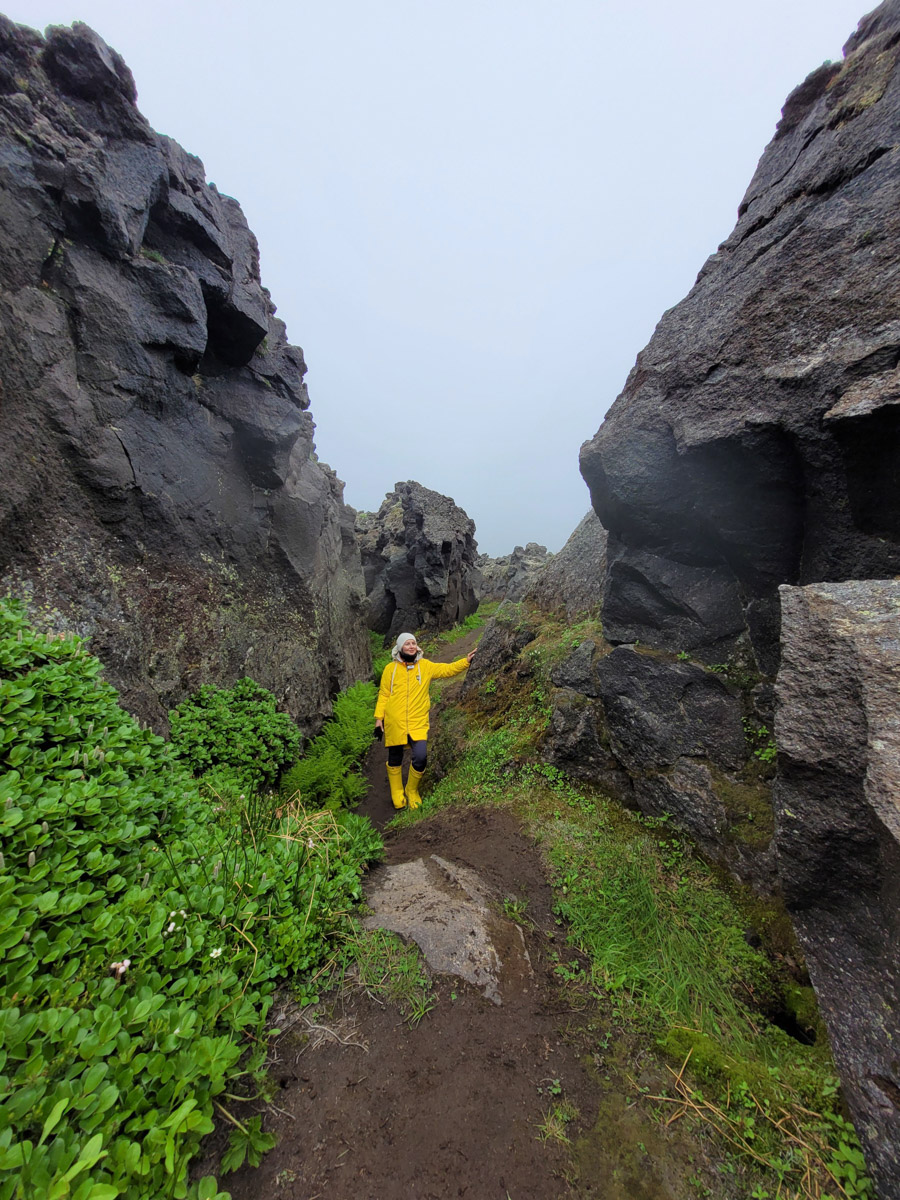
pixel 572 580
pixel 419 558
pixel 757 439
pixel 158 487
pixel 757 444
pixel 510 576
pixel 838 813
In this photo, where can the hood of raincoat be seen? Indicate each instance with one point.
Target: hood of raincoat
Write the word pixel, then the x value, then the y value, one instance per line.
pixel 405 637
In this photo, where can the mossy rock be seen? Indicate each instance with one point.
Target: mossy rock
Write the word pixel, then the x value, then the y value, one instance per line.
pixel 801 1004
pixel 749 807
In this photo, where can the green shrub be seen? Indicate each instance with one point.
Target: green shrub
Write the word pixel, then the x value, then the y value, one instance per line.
pixel 324 776
pixel 141 938
pixel 237 727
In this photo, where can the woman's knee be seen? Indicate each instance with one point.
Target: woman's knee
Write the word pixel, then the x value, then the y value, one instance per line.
pixel 419 755
pixel 395 756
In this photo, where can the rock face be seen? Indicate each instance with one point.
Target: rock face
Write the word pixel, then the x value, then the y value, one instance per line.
pixel 158 487
pixel 756 441
pixel 510 577
pixel 419 559
pixel 838 834
pixel 573 580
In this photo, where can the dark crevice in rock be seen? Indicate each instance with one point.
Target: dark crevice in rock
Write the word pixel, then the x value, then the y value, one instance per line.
pixel 888 1088
pixel 745 207
pixel 871 452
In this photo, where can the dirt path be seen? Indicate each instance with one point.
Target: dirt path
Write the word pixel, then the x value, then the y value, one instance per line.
pixel 370 1108
pixel 450 1107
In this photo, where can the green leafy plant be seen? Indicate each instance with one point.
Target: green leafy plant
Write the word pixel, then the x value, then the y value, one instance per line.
pixel 380 656
pixel 247 1142
pixel 325 776
pixel 763 744
pixel 516 909
pixel 142 935
pixel 237 727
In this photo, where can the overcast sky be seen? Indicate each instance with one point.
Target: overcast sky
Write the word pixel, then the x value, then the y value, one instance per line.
pixel 471 215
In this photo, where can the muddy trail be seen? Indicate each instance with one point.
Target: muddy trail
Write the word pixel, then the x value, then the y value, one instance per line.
pixel 520 1089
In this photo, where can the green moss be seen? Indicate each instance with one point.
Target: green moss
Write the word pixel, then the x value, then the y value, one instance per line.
pixel 154 256
pixel 800 1002
pixel 709 1062
pixel 749 807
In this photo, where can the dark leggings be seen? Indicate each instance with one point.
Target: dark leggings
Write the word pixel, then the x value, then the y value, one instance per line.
pixel 419 754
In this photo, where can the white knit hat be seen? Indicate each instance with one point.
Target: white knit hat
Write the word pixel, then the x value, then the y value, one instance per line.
pixel 401 641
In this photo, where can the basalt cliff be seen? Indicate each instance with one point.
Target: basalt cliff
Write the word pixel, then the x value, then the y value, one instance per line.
pixel 158 486
pixel 756 441
pixel 419 558
pixel 747 483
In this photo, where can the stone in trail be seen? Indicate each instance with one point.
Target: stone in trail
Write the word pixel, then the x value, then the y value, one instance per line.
pixel 444 908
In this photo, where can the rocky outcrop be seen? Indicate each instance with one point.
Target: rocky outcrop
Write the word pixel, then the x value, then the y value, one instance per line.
pixel 573 580
pixel 510 576
pixel 838 835
pixel 419 558
pixel 756 441
pixel 158 487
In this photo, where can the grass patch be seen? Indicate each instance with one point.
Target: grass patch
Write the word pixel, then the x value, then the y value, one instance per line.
pixel 432 643
pixel 388 969
pixel 556 1121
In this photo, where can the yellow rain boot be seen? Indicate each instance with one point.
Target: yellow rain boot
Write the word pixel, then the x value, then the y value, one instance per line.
pixel 395 779
pixel 412 787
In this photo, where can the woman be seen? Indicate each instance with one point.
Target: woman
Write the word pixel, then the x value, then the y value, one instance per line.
pixel 401 712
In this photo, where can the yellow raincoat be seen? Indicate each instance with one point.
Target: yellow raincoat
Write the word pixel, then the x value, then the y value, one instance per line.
pixel 403 699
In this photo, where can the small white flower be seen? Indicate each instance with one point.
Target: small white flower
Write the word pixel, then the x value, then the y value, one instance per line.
pixel 311 844
pixel 172 914
pixel 183 913
pixel 215 953
pixel 171 927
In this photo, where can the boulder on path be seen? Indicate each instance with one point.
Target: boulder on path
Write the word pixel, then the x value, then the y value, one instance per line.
pixel 446 910
pixel 837 800
pixel 757 438
pixel 158 487
pixel 419 558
